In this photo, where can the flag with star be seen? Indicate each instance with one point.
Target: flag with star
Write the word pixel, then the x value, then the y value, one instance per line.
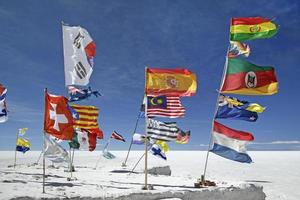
pixel 58 119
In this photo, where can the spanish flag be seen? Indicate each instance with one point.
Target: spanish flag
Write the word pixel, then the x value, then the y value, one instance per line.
pixel 243 77
pixel 251 28
pixel 178 82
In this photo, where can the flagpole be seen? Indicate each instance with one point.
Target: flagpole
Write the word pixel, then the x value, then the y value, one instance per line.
pixel 214 116
pixel 15 163
pixel 135 127
pixel 146 136
pixel 44 167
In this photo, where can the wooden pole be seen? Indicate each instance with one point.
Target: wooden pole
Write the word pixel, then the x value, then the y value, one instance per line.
pixel 146 136
pixel 17 137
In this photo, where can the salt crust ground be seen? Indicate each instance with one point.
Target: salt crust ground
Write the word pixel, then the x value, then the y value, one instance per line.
pixel 277 172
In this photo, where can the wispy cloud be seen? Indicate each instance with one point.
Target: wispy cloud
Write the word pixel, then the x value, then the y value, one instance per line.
pixel 277 142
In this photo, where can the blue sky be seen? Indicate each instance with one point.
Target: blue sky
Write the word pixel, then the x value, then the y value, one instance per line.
pixel 136 33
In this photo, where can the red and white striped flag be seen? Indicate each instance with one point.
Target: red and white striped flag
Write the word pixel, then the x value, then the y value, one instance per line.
pixel 165 106
pixel 117 136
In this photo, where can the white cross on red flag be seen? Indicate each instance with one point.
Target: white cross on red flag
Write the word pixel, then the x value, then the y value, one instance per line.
pixel 58 120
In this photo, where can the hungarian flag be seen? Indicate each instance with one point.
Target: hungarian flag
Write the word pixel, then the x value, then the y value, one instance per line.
pixel 58 120
pixel 117 136
pixel 243 77
pixel 230 143
pixel 83 140
pixel 88 119
pixel 173 82
pixel 251 28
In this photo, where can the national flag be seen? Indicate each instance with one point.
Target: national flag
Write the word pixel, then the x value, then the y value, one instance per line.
pixel 117 136
pixel 58 120
pixel 230 143
pixel 79 51
pixel 88 119
pixel 77 94
pixel 3 91
pixel 3 111
pixel 138 138
pixel 183 137
pixel 250 28
pixel 54 152
pixel 163 145
pixel 232 108
pixel 243 77
pixel 157 151
pixel 238 49
pixel 165 106
pixel 22 131
pixel 166 131
pixel 173 82
pixel 23 145
pixel 83 140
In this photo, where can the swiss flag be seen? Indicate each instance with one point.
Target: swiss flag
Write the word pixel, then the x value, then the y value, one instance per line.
pixel 58 120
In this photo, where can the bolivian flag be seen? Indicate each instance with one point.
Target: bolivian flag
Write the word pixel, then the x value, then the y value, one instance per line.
pixel 251 28
pixel 243 77
pixel 178 82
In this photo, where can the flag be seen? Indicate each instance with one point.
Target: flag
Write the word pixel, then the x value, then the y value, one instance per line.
pixel 117 136
pixel 238 49
pixel 183 137
pixel 83 140
pixel 243 77
pixel 58 120
pixel 77 94
pixel 88 119
pixel 54 152
pixel 178 82
pixel 79 51
pixel 230 143
pixel 157 151
pixel 232 108
pixel 138 138
pixel 22 131
pixel 250 28
pixel 165 106
pixel 163 145
pixel 23 145
pixel 166 131
pixel 3 91
pixel 3 111
pixel 106 154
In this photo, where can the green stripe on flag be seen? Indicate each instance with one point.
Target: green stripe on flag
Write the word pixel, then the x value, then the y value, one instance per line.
pixel 236 65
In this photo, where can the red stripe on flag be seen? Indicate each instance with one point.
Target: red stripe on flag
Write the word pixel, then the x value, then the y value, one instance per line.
pixel 232 133
pixel 248 20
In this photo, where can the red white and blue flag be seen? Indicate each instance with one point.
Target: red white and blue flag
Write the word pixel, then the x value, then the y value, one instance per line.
pixel 3 109
pixel 117 136
pixel 230 143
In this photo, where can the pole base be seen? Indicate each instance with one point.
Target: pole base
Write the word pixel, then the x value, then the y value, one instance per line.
pixel 148 187
pixel 72 179
pixel 202 183
pixel 124 165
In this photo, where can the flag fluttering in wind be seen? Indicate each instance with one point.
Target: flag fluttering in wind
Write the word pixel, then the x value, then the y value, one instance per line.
pixel 243 77
pixel 58 120
pixel 23 145
pixel 250 28
pixel 156 150
pixel 88 119
pixel 138 138
pixel 183 137
pixel 77 94
pixel 173 82
pixel 230 143
pixel 79 51
pixel 166 131
pixel 165 106
pixel 232 108
pixel 117 136
pixel 83 140
pixel 3 109
pixel 164 146
pixel 54 152
pixel 238 49
pixel 22 131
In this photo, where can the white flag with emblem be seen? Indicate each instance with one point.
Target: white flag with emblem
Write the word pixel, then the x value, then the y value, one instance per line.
pixel 79 50
pixel 54 152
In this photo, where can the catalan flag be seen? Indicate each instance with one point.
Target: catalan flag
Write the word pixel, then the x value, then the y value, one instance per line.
pixel 243 77
pixel 250 28
pixel 178 82
pixel 88 116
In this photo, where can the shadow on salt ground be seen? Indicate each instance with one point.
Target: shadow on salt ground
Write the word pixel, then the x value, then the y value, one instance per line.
pixel 159 185
pixel 57 184
pixel 14 181
pixel 32 174
pixel 123 171
pixel 257 181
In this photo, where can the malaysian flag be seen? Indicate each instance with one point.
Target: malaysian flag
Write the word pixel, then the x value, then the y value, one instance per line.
pixel 165 106
pixel 166 131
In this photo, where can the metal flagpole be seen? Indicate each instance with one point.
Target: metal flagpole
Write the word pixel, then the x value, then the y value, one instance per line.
pixel 38 160
pixel 16 149
pixel 44 167
pixel 214 116
pixel 105 146
pixel 135 127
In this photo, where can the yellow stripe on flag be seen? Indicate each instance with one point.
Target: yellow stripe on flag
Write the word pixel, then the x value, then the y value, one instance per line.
pixel 254 107
pixel 23 142
pixel 256 28
pixel 264 90
pixel 85 127
pixel 163 145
